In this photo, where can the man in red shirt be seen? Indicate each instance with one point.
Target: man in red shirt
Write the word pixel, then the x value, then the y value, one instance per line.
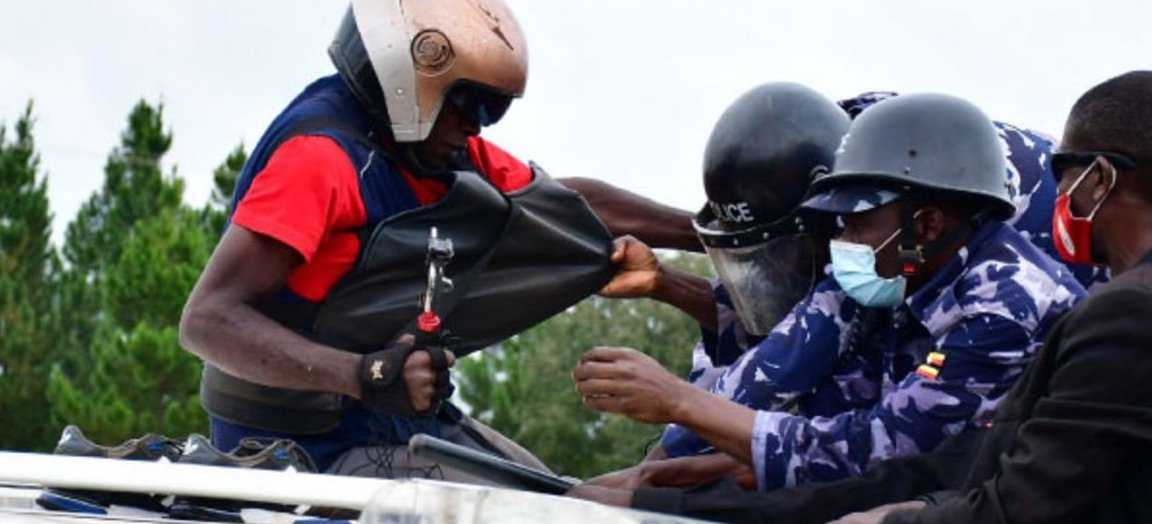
pixel 330 221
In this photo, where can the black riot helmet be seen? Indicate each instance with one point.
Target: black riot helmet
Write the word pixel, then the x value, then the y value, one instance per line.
pixel 762 156
pixel 765 150
pixel 926 142
pixel 919 145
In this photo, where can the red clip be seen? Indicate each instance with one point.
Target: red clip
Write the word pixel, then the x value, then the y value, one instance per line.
pixel 428 322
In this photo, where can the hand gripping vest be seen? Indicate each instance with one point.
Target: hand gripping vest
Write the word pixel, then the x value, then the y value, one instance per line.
pixel 519 259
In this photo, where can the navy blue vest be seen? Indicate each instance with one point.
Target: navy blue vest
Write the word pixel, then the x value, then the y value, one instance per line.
pixel 328 100
pixel 328 108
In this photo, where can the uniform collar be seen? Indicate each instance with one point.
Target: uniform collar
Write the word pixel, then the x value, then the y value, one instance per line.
pixel 945 280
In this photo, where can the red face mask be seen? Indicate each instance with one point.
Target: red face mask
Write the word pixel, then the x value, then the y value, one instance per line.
pixel 1073 235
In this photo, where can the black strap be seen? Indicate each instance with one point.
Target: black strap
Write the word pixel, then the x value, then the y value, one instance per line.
pixel 911 255
pixel 463 280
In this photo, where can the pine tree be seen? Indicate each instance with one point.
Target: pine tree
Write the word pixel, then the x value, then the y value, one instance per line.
pixel 135 188
pixel 26 266
pixel 223 183
pixel 133 253
pixel 139 379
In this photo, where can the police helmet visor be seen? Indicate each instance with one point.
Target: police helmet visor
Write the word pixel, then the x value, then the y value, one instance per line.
pixel 766 270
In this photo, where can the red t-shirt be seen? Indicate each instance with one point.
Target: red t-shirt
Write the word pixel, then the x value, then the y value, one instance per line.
pixel 308 197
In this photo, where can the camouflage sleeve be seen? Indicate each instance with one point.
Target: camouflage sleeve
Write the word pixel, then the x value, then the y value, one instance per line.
pixel 983 355
pixel 790 361
pixel 795 356
pixel 723 346
pixel 710 359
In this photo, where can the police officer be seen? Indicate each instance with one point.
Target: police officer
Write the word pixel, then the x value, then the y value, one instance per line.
pixel 760 159
pixel 964 301
pixel 853 381
pixel 1063 432
pixel 1031 179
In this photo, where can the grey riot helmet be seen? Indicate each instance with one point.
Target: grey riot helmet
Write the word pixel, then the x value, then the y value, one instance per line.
pixel 915 145
pixel 762 156
pixel 922 141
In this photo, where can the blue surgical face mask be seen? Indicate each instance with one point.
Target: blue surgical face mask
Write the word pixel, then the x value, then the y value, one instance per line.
pixel 854 268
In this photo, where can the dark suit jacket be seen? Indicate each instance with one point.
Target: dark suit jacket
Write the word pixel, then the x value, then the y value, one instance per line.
pixel 1071 443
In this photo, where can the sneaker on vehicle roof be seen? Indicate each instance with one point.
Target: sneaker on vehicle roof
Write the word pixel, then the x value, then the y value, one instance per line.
pixel 251 453
pixel 148 448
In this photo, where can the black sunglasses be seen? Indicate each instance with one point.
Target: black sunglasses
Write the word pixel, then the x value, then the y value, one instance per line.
pixel 1068 159
pixel 484 106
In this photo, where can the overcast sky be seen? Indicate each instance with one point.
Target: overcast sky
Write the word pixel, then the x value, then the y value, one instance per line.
pixel 622 90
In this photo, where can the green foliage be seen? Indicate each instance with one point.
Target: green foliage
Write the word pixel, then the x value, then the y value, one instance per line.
pixel 92 339
pixel 139 381
pixel 135 188
pixel 159 263
pixel 26 269
pixel 524 388
pixel 25 221
pixel 224 182
pixel 134 253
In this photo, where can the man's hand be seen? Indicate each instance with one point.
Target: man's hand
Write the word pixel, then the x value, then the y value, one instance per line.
pixel 625 381
pixel 638 270
pixel 404 380
pixel 426 381
pixel 679 472
pixel 876 515
pixel 620 498
pixel 626 479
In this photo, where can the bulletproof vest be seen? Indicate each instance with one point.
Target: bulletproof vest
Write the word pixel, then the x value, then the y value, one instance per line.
pixel 520 258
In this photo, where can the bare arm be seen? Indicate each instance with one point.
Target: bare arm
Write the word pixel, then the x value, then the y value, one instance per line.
pixel 680 472
pixel 688 293
pixel 725 424
pixel 221 326
pixel 626 213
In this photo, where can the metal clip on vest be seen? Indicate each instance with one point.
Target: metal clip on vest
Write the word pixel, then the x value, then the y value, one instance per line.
pixel 429 324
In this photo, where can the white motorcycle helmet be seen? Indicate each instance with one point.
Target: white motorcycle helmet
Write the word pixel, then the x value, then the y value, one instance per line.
pixel 404 58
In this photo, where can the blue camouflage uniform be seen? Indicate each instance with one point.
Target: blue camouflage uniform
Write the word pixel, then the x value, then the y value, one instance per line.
pixel 856 376
pixel 837 366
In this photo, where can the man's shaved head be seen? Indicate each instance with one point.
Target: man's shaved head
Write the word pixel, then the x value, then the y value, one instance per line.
pixel 1115 116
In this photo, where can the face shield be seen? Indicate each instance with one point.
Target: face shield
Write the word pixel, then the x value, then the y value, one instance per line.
pixel 766 269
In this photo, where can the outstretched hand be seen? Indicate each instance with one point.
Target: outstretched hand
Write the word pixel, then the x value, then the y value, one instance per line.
pixel 638 271
pixel 625 381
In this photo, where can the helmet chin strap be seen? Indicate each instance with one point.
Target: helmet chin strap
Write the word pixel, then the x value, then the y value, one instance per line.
pixel 912 255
